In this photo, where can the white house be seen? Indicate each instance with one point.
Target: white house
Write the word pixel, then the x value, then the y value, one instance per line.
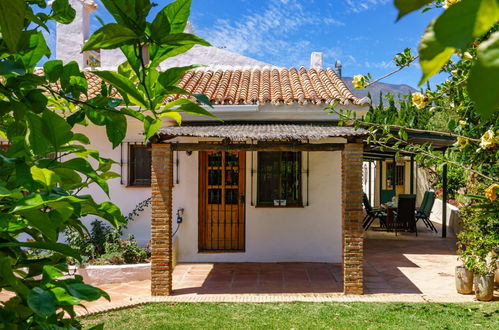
pixel 278 180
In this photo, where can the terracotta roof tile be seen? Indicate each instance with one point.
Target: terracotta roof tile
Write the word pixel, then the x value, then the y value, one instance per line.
pixel 258 86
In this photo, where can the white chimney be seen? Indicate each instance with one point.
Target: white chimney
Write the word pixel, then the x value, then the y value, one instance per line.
pixel 70 37
pixel 338 66
pixel 316 60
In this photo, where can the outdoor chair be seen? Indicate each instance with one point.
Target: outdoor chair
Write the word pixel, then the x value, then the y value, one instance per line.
pixel 387 195
pixel 405 217
pixel 372 214
pixel 424 211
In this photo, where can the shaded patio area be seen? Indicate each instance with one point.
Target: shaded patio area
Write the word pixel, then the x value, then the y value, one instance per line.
pixel 257 278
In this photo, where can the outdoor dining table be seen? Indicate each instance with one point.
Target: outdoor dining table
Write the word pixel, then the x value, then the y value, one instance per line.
pixel 391 209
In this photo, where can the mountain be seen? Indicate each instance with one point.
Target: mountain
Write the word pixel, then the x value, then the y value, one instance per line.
pixel 378 87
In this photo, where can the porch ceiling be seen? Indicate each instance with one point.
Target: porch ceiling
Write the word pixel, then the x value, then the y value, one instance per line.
pixel 282 132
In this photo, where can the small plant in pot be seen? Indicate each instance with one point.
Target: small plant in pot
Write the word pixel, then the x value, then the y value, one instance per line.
pixel 476 243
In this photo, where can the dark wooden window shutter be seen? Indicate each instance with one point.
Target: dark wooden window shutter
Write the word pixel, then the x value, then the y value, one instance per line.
pixel 139 165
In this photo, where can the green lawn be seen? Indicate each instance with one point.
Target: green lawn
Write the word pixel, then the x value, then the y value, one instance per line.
pixel 302 316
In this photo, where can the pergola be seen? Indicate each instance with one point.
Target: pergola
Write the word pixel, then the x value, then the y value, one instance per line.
pixel 259 137
pixel 281 136
pixel 439 142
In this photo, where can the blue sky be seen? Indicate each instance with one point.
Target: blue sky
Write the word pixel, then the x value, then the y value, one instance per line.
pixel 362 34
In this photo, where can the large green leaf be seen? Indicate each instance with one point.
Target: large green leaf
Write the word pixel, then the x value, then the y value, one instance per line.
pixel 45 176
pixel 131 13
pixel 183 39
pixel 116 126
pixel 51 246
pixel 41 221
pixel 42 302
pixel 151 127
pixel 83 166
pixel 111 213
pixel 51 273
pixel 56 129
pixel 432 54
pixel 464 21
pixel 178 13
pixel 12 14
pixel 194 109
pixel 34 47
pixel 159 53
pixel 483 83
pixel 36 200
pixel 86 292
pixel 35 139
pixel 9 223
pixel 406 6
pixel 110 36
pixel 7 275
pixel 63 297
pixel 63 12
pixel 53 70
pixel 172 76
pixel 160 26
pixel 124 86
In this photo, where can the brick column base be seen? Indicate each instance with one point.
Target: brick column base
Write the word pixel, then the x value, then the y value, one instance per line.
pixel 352 214
pixel 161 222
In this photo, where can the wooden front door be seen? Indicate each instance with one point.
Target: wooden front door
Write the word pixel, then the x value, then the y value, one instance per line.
pixel 221 201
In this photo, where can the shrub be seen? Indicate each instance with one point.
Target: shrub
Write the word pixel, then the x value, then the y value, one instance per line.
pixel 103 246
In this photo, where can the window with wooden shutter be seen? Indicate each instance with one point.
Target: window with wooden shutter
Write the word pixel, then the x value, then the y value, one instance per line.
pixel 279 179
pixel 139 165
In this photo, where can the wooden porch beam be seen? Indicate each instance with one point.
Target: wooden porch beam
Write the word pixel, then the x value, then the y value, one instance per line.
pixel 257 147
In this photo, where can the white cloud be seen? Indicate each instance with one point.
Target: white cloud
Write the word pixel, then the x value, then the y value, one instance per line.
pixel 379 65
pixel 358 6
pixel 332 21
pixel 270 32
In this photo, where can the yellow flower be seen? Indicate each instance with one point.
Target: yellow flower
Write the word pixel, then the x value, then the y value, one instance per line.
pixel 462 142
pixel 467 56
pixel 419 100
pixel 462 123
pixel 359 81
pixel 489 140
pixel 448 3
pixel 491 192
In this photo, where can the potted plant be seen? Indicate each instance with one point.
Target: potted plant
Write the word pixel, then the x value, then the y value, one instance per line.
pixel 464 280
pixel 476 244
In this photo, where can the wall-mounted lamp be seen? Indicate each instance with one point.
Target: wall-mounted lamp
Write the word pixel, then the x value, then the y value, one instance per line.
pixel 188 153
pixel 180 215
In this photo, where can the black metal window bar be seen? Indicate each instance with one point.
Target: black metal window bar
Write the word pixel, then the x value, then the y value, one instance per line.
pixel 279 179
pixel 305 171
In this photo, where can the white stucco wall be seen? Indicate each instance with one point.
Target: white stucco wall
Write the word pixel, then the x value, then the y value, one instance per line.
pixel 125 197
pixel 311 233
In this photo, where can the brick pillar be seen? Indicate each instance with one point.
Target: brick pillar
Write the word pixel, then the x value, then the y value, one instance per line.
pixel 352 214
pixel 161 222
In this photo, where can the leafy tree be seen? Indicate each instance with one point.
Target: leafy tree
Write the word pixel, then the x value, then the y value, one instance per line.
pixel 46 164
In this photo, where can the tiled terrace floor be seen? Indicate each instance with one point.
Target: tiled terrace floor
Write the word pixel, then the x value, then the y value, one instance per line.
pixel 402 268
pixel 259 278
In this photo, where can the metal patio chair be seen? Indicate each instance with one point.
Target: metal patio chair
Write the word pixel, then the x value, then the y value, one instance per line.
pixel 372 214
pixel 424 211
pixel 405 216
